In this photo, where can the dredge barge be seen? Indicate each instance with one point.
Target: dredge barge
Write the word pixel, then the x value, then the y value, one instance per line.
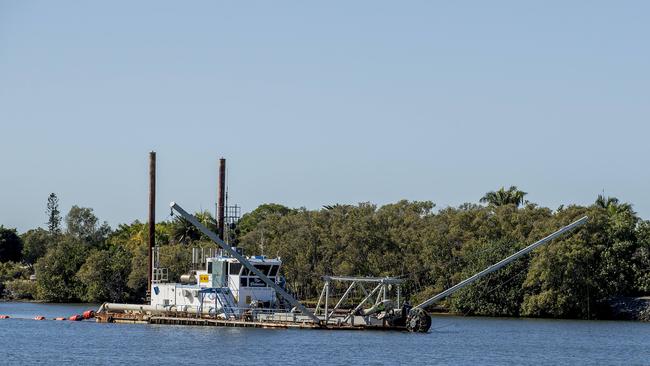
pixel 239 291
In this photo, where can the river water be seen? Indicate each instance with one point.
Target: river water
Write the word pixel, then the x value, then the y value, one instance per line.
pixel 452 340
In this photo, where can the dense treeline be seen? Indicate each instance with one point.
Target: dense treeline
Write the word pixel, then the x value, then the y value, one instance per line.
pixel 88 261
pixel 610 256
pixel 570 277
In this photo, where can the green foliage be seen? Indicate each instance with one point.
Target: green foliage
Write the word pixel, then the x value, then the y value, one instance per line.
pixel 134 239
pixel 56 278
pixel 10 271
pixel 561 277
pixel 341 239
pixel 83 225
pixel 641 259
pixel 435 251
pixel 512 196
pixel 105 274
pixel 53 214
pixel 35 244
pixel 263 212
pixel 183 232
pixel 20 289
pixel 470 239
pixel 10 245
pixel 569 276
pixel 177 259
pixel 498 293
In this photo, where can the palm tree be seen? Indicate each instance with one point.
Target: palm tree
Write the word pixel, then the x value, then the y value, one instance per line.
pixel 183 232
pixel 612 205
pixel 512 196
pixel 605 202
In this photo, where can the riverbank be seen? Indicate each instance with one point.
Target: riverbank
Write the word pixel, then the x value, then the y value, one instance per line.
pixel 627 308
pixel 26 301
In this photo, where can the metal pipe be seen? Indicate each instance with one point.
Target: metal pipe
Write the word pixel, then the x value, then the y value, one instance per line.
pixel 151 309
pixel 362 302
pixel 244 262
pixel 129 307
pixel 389 280
pixel 320 298
pixel 221 209
pixel 502 263
pixel 152 218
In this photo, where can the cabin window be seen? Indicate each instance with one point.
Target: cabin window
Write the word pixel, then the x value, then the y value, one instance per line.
pixel 234 268
pixel 210 267
pixel 243 282
pixel 245 272
pixel 264 269
pixel 274 271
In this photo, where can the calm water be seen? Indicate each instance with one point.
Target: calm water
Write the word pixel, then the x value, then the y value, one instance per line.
pixel 452 340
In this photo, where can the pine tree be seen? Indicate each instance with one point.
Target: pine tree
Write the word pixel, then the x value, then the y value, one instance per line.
pixel 53 214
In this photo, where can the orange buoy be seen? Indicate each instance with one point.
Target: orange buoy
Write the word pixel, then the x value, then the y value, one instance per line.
pixel 89 314
pixel 4 316
pixel 76 318
pixel 39 317
pixel 59 318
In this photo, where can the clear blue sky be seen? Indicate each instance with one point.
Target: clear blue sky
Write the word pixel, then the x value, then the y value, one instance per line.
pixel 312 104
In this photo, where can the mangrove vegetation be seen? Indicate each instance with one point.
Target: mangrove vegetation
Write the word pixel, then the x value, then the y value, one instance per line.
pixel 572 277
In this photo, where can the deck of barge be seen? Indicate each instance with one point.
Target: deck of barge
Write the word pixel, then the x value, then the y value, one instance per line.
pixel 178 318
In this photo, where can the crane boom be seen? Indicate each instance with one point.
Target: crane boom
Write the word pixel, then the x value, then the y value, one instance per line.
pixel 244 261
pixel 502 263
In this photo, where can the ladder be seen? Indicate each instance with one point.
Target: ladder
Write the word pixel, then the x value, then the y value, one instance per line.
pixel 224 297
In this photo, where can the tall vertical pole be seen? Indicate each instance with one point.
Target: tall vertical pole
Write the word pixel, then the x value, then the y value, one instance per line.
pixel 222 197
pixel 398 294
pixel 327 297
pixel 152 218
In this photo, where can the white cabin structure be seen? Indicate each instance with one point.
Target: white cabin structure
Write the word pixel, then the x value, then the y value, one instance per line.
pixel 225 286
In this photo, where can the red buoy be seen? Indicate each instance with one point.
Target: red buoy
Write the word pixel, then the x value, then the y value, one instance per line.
pixel 39 317
pixel 76 318
pixel 4 316
pixel 89 314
